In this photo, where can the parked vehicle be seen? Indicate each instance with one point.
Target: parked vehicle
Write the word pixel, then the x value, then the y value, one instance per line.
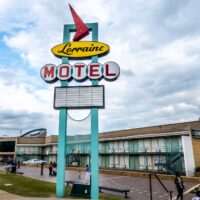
pixel 34 162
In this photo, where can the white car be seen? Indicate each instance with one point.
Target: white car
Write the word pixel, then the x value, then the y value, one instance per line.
pixel 34 162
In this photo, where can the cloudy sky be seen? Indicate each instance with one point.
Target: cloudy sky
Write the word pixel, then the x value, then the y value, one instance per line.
pixel 156 44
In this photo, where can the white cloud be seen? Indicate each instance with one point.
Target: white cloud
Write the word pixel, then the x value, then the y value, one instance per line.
pixel 156 44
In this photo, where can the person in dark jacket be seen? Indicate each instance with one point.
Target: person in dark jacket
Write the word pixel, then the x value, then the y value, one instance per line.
pixel 87 175
pixel 14 166
pixel 178 181
pixel 50 168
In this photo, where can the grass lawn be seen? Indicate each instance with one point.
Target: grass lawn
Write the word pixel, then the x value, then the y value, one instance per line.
pixel 29 187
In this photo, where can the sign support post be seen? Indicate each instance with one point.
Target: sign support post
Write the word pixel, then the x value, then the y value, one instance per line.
pixel 61 162
pixel 94 154
pixel 95 133
pixel 60 179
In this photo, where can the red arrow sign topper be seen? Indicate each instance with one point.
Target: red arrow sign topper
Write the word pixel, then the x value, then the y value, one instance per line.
pixel 82 29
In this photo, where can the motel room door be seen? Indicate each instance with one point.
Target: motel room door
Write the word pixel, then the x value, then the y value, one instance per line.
pixel 134 162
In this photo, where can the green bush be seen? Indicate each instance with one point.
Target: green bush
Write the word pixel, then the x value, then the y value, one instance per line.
pixel 197 169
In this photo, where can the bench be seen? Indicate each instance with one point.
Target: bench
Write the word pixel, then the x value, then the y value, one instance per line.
pixel 69 182
pixel 125 191
pixel 20 173
pixel 9 170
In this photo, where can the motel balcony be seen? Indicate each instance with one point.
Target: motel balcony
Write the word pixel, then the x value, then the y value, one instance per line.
pixel 79 151
pixel 28 152
pixel 49 153
pixel 140 150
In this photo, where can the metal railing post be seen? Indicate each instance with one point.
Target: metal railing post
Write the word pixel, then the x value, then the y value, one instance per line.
pixel 170 192
pixel 41 169
pixel 150 187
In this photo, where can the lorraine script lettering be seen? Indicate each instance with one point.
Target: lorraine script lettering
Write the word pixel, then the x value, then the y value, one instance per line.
pixel 68 50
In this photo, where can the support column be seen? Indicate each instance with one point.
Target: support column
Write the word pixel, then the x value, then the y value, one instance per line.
pixel 61 162
pixel 188 155
pixel 94 154
pixel 61 157
pixel 94 134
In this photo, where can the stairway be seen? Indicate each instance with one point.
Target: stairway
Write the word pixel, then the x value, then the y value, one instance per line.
pixel 171 158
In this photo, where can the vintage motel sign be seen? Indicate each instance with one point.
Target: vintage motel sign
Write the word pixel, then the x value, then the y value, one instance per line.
pixel 80 72
pixel 79 97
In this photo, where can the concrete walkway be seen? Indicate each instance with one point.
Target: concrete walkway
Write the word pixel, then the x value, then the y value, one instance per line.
pixel 8 196
pixel 138 186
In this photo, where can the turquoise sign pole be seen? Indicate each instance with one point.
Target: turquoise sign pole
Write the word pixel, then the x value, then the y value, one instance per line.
pixel 61 162
pixel 94 132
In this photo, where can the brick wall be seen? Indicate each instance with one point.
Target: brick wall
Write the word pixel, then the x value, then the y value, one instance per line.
pixel 196 151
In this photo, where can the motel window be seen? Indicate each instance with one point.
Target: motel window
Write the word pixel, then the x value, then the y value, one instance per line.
pixel 7 146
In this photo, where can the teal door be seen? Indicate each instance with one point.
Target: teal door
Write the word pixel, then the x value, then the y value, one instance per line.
pixel 133 146
pixel 107 161
pixel 134 162
pixel 130 146
pixel 83 161
pixel 167 145
pixel 175 148
pixel 103 147
pixel 107 147
pixel 175 143
pixel 103 162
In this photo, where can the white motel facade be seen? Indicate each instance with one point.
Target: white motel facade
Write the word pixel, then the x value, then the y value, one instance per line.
pixel 163 148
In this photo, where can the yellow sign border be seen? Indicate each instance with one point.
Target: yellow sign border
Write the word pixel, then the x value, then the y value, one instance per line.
pixel 80 49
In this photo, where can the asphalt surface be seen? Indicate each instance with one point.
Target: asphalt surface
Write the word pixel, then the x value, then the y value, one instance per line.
pixel 139 187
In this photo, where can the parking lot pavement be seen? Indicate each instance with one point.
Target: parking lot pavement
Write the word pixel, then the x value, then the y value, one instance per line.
pixel 139 187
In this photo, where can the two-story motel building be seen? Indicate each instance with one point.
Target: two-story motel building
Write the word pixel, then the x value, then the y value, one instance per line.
pixel 164 148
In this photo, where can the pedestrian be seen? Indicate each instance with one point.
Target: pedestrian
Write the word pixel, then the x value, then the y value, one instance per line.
pixel 197 195
pixel 87 175
pixel 18 164
pixel 178 181
pixel 54 169
pixel 54 164
pixel 79 175
pixel 50 168
pixel 13 166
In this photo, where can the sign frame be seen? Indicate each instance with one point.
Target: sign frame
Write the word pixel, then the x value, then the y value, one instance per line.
pixel 81 107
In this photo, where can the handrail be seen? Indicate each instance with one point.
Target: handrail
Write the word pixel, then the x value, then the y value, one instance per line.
pixel 150 186
pixel 173 153
pixel 171 158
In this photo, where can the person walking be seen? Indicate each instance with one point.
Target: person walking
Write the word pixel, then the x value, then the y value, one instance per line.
pixel 54 164
pixel 50 168
pixel 79 174
pixel 13 166
pixel 54 170
pixel 87 175
pixel 178 181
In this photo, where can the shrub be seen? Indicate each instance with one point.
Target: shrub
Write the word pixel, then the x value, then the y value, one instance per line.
pixel 197 169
